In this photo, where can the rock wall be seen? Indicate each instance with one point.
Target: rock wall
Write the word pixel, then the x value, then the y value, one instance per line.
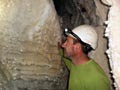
pixel 99 53
pixel 113 34
pixel 29 33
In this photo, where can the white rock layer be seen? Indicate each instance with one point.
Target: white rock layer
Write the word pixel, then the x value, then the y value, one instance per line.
pixel 29 33
pixel 113 34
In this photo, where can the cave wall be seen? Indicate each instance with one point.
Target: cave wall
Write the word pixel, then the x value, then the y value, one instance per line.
pixel 112 32
pixel 29 34
pixel 76 12
pixel 30 31
pixel 100 53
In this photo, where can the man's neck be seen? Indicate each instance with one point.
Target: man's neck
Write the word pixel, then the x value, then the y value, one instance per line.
pixel 80 59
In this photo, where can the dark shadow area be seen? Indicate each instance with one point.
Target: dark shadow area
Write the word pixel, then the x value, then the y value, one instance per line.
pixel 75 12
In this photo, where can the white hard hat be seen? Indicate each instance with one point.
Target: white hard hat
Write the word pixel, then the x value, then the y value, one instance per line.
pixel 86 33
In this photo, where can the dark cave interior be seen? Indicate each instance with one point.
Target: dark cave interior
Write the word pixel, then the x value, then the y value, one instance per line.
pixel 76 12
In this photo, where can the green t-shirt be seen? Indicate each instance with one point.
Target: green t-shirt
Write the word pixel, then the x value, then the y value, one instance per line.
pixel 88 76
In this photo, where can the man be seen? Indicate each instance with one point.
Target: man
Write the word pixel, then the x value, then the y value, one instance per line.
pixel 85 74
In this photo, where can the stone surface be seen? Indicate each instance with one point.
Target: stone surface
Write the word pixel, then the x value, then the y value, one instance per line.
pixel 101 12
pixel 107 2
pixel 29 34
pixel 113 34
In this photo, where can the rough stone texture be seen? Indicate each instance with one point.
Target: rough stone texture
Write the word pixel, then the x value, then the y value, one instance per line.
pixel 77 12
pixel 101 12
pixel 100 54
pixel 113 34
pixel 29 33
pixel 87 10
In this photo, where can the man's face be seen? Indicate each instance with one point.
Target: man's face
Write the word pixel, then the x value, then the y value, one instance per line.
pixel 68 46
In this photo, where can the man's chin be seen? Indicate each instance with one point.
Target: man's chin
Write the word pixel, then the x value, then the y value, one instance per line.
pixel 66 55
